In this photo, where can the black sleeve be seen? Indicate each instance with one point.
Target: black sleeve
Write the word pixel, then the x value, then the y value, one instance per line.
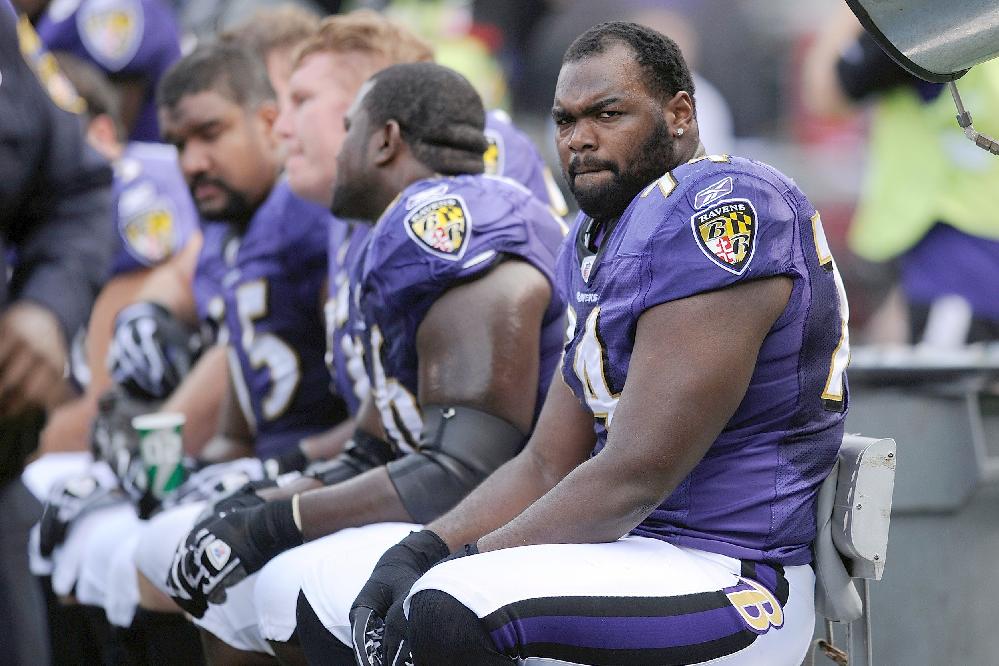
pixel 55 203
pixel 864 69
pixel 459 448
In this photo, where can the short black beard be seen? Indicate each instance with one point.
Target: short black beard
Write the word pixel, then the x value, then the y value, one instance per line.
pixel 351 200
pixel 237 208
pixel 654 158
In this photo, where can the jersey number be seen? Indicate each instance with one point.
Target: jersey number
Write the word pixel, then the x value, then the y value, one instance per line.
pixel 832 392
pixel 589 364
pixel 263 350
pixel 400 416
pixel 336 312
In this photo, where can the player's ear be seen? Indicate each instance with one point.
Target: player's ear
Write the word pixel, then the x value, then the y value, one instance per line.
pixel 388 143
pixel 679 112
pixel 267 113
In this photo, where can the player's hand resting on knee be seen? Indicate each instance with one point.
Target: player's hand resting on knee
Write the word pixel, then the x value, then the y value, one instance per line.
pixel 377 623
pixel 219 554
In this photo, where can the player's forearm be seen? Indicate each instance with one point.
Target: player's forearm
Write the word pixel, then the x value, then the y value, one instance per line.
pixel 199 397
pixel 169 284
pixel 328 444
pixel 599 501
pixel 299 485
pixel 68 427
pixel 500 498
pixel 363 500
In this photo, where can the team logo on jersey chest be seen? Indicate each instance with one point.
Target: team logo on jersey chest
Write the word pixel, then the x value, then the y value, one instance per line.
pixel 441 226
pixel 726 233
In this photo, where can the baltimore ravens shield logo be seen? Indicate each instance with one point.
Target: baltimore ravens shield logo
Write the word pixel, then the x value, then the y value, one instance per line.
pixel 150 235
pixel 111 31
pixel 726 233
pixel 441 226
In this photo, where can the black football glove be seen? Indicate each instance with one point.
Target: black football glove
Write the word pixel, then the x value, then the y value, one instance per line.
pixel 244 497
pixel 151 350
pixel 292 460
pixel 69 500
pixel 214 480
pixel 229 548
pixel 378 627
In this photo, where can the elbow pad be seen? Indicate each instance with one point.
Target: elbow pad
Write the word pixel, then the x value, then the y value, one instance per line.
pixel 459 448
pixel 363 452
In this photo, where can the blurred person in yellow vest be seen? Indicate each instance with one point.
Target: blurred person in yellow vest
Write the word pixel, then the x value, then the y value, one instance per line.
pixel 927 202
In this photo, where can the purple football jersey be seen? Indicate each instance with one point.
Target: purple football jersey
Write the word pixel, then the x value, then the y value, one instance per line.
pixel 128 39
pixel 154 213
pixel 264 285
pixel 439 233
pixel 512 155
pixel 709 224
pixel 344 358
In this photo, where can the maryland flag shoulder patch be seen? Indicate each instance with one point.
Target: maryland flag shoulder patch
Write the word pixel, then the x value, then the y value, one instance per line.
pixel 726 233
pixel 493 157
pixel 441 226
pixel 111 31
pixel 150 236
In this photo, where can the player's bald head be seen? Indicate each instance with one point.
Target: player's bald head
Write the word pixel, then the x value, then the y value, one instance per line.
pixel 440 114
pixel 664 69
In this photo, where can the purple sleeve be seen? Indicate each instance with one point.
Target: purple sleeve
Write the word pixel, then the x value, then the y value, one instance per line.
pixel 153 222
pixel 513 155
pixel 131 37
pixel 703 242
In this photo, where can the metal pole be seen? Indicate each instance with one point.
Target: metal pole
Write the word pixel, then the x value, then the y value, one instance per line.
pixel 964 120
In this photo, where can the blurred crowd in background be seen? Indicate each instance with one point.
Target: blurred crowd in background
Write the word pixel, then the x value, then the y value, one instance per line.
pixel 766 78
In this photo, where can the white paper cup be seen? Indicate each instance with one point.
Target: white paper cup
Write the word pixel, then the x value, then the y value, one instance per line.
pixel 161 448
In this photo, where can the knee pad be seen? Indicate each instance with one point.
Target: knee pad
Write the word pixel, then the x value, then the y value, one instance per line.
pixel 444 631
pixel 164 638
pixel 319 645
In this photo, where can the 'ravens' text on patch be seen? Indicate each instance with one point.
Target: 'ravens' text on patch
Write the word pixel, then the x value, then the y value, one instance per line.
pixel 441 226
pixel 726 233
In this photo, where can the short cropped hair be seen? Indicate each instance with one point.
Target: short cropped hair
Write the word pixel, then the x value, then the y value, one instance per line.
pixel 666 72
pixel 93 86
pixel 272 29
pixel 440 115
pixel 228 69
pixel 368 32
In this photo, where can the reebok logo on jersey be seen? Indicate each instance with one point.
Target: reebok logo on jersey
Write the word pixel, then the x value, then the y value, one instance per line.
pixel 441 227
pixel 713 193
pixel 726 233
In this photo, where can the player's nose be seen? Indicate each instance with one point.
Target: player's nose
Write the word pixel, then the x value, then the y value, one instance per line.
pixel 194 159
pixel 582 136
pixel 283 127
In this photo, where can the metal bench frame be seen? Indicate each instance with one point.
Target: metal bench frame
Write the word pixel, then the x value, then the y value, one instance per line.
pixel 854 513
